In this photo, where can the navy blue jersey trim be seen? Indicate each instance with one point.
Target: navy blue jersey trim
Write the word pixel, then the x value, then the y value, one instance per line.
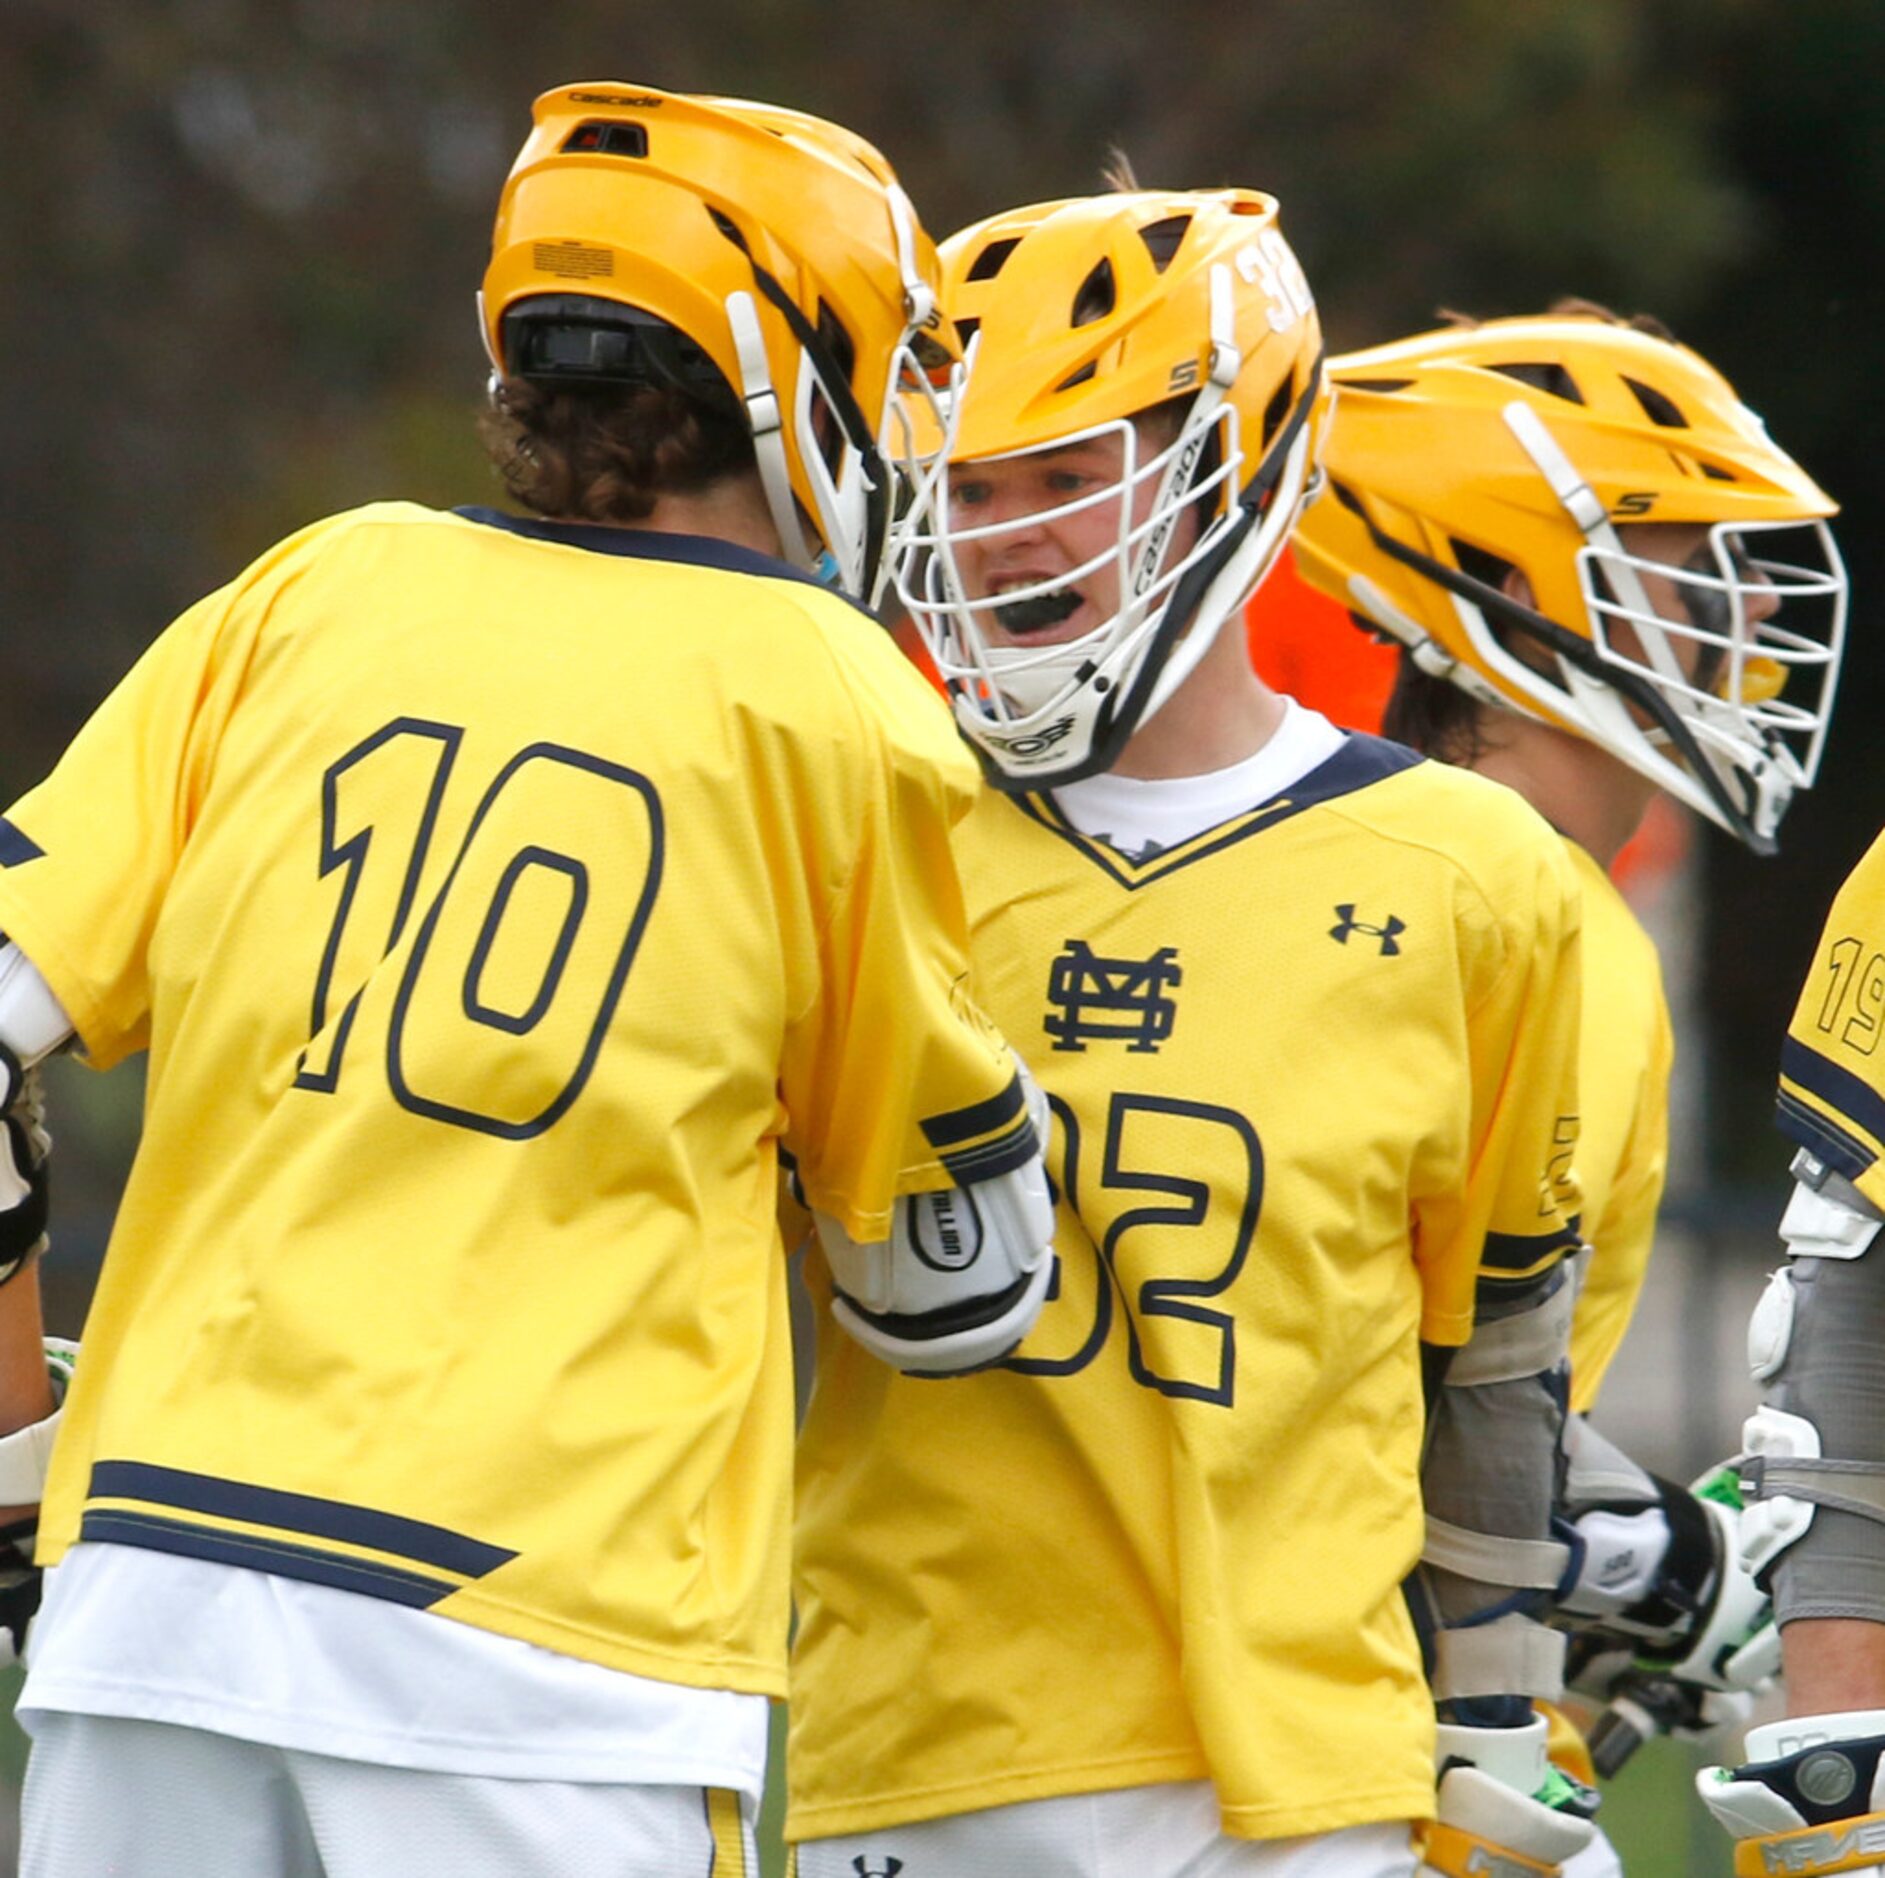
pixel 1002 1156
pixel 944 1131
pixel 1843 1153
pixel 297 1512
pixel 108 1526
pixel 1520 1251
pixel 16 846
pixel 654 544
pixel 1361 762
pixel 1855 1100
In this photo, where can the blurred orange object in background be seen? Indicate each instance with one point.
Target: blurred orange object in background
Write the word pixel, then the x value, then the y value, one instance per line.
pixel 1302 642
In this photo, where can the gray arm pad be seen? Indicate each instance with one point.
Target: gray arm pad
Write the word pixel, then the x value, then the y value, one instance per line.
pixel 1490 1482
pixel 1819 1344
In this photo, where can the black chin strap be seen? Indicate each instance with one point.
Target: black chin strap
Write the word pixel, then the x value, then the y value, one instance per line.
pixel 1257 492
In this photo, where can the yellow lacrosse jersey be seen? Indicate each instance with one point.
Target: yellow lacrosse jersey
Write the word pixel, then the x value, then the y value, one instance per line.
pixel 1313 1075
pixel 1624 1062
pixel 495 899
pixel 1832 1073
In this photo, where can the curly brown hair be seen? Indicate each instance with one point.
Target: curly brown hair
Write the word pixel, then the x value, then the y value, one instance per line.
pixel 606 454
pixel 1434 716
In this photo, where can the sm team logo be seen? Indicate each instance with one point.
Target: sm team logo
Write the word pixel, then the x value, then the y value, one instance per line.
pixel 1099 1000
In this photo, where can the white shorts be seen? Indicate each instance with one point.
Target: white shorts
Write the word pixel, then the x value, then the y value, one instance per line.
pixel 144 1799
pixel 1167 1831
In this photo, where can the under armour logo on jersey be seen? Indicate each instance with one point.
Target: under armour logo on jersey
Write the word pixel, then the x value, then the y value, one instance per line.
pixel 1389 935
pixel 1111 1000
pixel 888 1869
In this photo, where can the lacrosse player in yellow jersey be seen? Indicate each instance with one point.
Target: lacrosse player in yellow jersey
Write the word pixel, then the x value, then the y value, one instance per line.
pixel 1811 1797
pixel 499 899
pixel 1305 1009
pixel 1607 581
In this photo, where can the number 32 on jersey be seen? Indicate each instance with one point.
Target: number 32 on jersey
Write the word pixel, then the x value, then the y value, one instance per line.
pixel 1158 1260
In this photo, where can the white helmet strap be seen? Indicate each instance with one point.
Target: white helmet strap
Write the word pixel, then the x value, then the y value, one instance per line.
pixel 1585 508
pixel 768 424
pixel 919 298
pixel 1226 360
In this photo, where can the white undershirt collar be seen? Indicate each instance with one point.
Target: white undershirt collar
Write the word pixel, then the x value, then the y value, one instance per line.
pixel 1141 816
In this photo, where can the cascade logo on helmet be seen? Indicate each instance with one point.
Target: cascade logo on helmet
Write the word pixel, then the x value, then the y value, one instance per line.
pixel 1084 464
pixel 1479 474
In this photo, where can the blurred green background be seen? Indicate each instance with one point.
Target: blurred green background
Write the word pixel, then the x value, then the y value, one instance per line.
pixel 242 239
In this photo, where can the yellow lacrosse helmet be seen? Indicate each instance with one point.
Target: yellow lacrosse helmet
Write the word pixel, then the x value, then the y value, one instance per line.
pixel 1079 317
pixel 758 258
pixel 1458 457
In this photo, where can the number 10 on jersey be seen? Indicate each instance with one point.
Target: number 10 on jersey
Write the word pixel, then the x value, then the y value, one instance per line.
pixel 518 961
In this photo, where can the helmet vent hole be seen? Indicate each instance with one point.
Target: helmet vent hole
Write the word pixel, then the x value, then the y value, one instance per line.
pixel 1547 377
pixel 988 262
pixel 1376 384
pixel 608 139
pixel 1098 295
pixel 1716 473
pixel 1281 399
pixel 1162 238
pixel 1477 564
pixel 1080 377
pixel 1657 407
pixel 836 341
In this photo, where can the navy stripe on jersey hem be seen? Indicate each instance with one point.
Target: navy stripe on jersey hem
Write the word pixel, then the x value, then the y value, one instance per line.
pixel 413 1539
pixel 1854 1099
pixel 1361 762
pixel 16 846
pixel 653 544
pixel 944 1131
pixel 387 1582
pixel 1842 1152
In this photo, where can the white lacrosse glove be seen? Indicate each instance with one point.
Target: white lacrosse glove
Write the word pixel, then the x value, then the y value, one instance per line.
pixel 1809 1799
pixel 1503 1807
pixel 24 1456
pixel 1691 1676
pixel 964 1273
pixel 25 1151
